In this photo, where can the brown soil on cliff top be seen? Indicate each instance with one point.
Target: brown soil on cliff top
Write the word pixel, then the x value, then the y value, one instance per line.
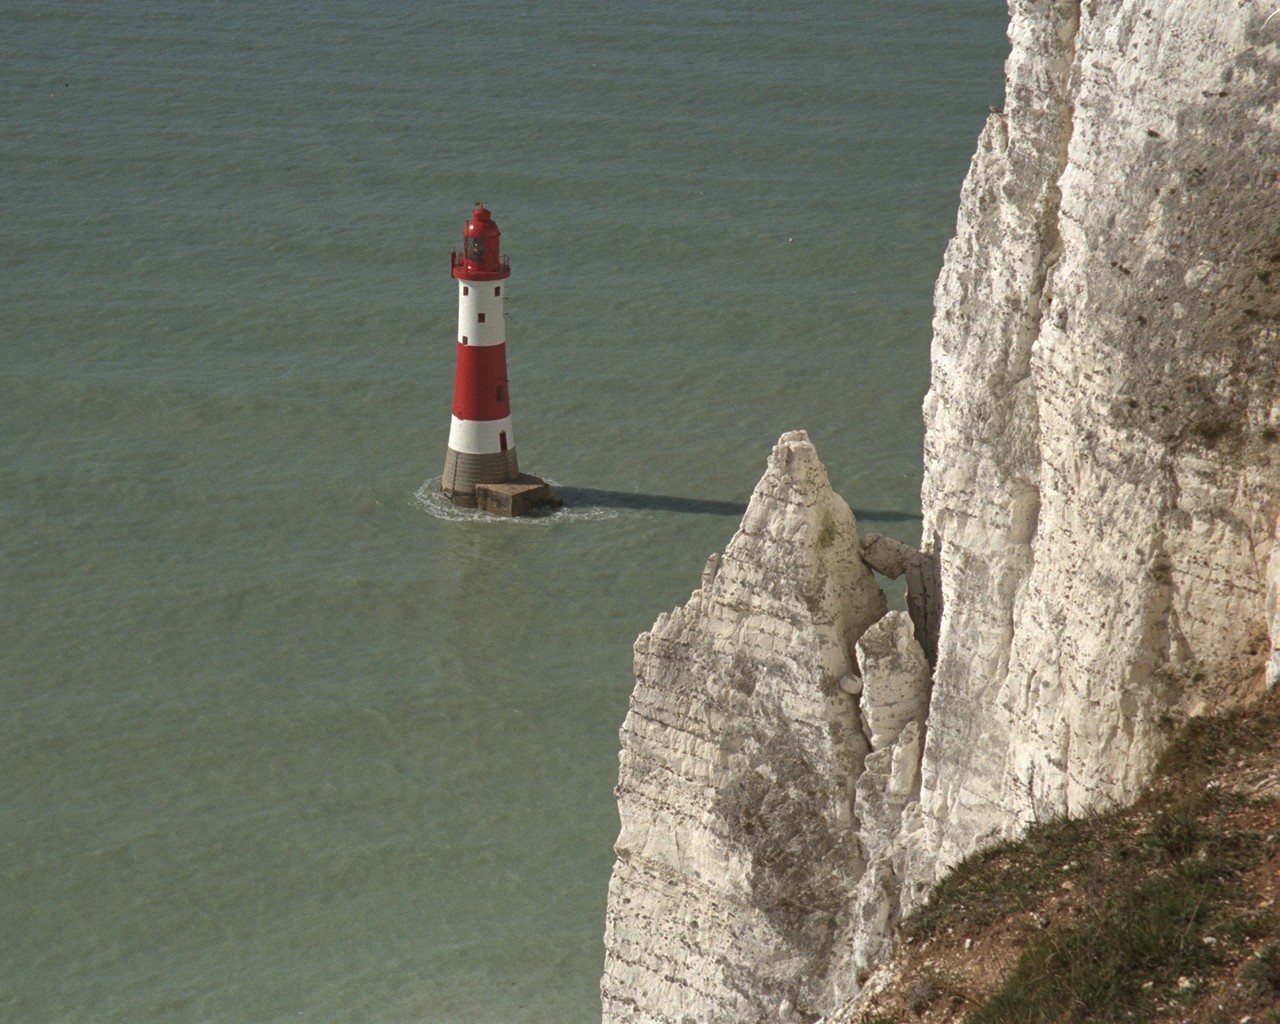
pixel 1165 911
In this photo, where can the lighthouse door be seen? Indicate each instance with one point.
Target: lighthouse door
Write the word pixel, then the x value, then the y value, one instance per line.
pixel 502 440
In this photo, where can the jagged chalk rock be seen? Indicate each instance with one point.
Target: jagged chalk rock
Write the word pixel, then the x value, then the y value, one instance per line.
pixel 895 687
pixel 738 859
pixel 892 558
pixel 894 707
pixel 887 556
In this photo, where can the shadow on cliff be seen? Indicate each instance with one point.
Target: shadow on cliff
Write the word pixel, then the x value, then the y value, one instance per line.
pixel 582 497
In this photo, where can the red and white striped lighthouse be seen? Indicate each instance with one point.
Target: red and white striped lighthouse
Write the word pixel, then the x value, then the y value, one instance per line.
pixel 480 469
pixel 482 448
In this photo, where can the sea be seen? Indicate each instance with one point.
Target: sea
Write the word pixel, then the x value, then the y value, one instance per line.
pixel 283 735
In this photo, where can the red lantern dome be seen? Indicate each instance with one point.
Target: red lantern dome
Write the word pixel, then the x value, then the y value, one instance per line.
pixel 480 259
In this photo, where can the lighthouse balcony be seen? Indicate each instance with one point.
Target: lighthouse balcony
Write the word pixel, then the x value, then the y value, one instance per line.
pixel 479 270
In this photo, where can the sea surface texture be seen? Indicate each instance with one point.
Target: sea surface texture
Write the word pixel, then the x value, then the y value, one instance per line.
pixel 284 737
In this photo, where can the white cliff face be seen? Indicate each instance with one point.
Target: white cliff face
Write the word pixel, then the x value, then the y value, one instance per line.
pixel 1101 479
pixel 738 856
pixel 1102 483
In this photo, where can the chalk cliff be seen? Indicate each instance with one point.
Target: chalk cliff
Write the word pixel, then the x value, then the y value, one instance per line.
pixel 1101 478
pixel 1100 507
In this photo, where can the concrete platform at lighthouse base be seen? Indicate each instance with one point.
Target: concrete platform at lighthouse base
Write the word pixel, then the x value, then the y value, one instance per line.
pixel 516 497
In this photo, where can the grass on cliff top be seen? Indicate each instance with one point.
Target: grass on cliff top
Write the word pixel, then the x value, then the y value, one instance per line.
pixel 1165 911
pixel 1134 952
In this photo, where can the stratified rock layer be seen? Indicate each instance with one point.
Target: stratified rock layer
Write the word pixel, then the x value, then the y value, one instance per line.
pixel 1101 483
pixel 738 857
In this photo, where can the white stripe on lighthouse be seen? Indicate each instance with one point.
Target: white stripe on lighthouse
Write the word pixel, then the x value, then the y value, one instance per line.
pixel 477 299
pixel 480 437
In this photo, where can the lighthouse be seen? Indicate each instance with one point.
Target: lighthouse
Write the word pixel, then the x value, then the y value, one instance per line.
pixel 480 468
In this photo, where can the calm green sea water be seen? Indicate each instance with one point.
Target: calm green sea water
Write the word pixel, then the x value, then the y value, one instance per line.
pixel 279 741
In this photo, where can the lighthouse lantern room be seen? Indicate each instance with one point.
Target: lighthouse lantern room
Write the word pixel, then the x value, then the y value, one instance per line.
pixel 480 468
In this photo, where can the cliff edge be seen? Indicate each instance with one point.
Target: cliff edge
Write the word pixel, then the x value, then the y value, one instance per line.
pixel 1100 499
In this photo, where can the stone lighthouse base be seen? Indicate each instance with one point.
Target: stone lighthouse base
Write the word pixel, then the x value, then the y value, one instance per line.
pixel 516 497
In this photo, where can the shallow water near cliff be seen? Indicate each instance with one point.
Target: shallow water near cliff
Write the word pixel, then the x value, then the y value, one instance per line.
pixel 283 737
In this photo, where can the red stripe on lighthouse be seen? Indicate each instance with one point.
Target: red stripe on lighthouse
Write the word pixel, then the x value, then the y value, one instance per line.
pixel 480 383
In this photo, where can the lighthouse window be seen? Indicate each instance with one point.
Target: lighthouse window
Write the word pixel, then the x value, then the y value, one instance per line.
pixel 474 249
pixel 502 393
pixel 466 290
pixel 482 318
pixel 464 339
pixel 498 290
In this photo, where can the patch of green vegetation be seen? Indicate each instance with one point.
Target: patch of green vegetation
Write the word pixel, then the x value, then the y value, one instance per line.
pixel 1245 927
pixel 1164 896
pixel 1176 833
pixel 1173 883
pixel 1098 971
pixel 1012 877
pixel 1262 973
pixel 1212 742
